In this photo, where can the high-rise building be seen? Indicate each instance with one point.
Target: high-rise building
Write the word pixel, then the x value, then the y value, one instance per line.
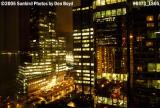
pixel 110 53
pixel 83 46
pixel 144 44
pixel 46 56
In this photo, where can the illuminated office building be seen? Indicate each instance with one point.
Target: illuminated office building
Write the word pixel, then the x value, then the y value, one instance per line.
pixel 46 56
pixel 145 56
pixel 83 46
pixel 110 53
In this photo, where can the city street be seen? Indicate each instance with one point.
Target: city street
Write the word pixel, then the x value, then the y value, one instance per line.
pixel 46 95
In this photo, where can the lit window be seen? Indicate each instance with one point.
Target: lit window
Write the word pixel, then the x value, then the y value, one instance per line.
pixel 85 8
pixel 77 56
pixel 86 71
pixel 102 2
pixel 76 34
pixel 151 67
pixel 77 49
pixel 98 14
pixel 86 74
pixel 79 81
pixel 113 1
pixel 158 67
pixel 150 24
pixel 92 72
pixel 85 29
pixel 77 37
pixel 85 37
pixel 85 45
pixel 148 44
pixel 108 1
pixel 94 4
pixel 149 18
pixel 86 78
pixel 119 11
pixel 78 70
pixel 87 64
pixel 75 30
pixel 108 13
pixel 119 0
pixel 98 2
pixel 78 9
pixel 85 49
pixel 113 12
pixel 91 29
pixel 152 35
pixel 86 56
pixel 139 68
pixel 85 41
pixel 86 82
pixel 103 14
pixel 154 67
pixel 124 11
pixel 92 64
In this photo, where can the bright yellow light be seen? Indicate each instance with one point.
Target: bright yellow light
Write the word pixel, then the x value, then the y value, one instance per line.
pixel 98 2
pixel 131 36
pixel 149 18
pixel 8 105
pixel 104 74
pixel 102 85
pixel 71 104
pixel 18 105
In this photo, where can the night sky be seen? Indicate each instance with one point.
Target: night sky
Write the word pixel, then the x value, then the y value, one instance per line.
pixel 64 17
pixel 64 22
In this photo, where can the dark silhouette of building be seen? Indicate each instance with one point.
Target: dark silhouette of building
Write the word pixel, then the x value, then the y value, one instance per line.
pixel 144 40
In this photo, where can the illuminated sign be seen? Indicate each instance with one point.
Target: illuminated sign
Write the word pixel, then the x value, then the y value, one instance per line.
pixel 108 19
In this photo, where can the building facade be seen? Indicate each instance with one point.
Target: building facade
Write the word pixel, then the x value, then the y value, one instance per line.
pixel 83 47
pixel 110 53
pixel 144 56
pixel 46 56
